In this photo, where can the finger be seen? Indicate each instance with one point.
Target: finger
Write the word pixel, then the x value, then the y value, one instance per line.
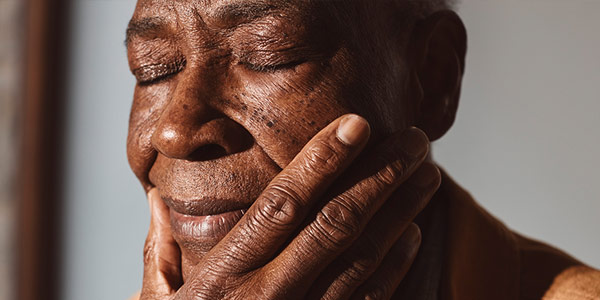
pixel 358 263
pixel 341 221
pixel 288 198
pixel 162 257
pixel 383 283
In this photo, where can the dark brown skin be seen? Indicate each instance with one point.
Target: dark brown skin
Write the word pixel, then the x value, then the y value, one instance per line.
pixel 244 107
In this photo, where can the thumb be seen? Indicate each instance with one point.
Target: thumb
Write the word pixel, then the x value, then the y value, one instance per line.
pixel 162 257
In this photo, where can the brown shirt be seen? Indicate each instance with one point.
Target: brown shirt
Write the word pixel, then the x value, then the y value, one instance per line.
pixel 483 259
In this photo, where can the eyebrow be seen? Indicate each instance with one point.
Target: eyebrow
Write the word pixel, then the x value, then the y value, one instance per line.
pixel 143 27
pixel 241 12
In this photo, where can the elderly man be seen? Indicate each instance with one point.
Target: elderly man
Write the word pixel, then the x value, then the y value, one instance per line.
pixel 265 183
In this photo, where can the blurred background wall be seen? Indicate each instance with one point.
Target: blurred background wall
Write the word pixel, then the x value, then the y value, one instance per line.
pixel 11 33
pixel 525 142
pixel 106 214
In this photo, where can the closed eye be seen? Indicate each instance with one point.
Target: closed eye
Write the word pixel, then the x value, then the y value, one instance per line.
pixel 270 68
pixel 153 73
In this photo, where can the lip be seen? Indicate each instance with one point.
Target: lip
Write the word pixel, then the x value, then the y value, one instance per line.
pixel 203 220
pixel 208 227
pixel 203 206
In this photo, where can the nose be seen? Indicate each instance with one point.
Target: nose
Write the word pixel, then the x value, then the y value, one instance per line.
pixel 190 129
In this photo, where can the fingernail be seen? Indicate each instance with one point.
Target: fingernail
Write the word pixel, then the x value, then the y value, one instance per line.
pixel 353 130
pixel 414 142
pixel 152 196
pixel 412 235
pixel 425 175
pixel 409 243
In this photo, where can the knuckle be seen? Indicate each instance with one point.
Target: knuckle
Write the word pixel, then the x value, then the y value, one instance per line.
pixel 370 256
pixel 280 206
pixel 359 271
pixel 322 157
pixel 409 210
pixel 392 172
pixel 231 261
pixel 414 199
pixel 208 286
pixel 149 250
pixel 201 291
pixel 337 225
pixel 421 198
pixel 363 260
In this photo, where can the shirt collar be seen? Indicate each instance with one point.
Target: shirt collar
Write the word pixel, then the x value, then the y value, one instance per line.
pixel 465 252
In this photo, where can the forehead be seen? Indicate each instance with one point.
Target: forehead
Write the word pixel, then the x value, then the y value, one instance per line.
pixel 179 16
pixel 219 11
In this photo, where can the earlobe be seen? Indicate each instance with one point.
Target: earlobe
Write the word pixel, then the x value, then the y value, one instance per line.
pixel 437 52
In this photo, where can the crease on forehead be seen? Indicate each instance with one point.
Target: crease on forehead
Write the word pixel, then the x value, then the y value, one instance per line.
pixel 165 14
pixel 154 8
pixel 177 17
pixel 231 13
pixel 218 9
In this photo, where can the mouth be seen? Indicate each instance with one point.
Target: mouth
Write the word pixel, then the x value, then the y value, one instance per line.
pixel 204 206
pixel 208 227
pixel 204 219
pixel 206 199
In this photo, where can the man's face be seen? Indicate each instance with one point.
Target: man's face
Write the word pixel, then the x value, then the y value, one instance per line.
pixel 228 93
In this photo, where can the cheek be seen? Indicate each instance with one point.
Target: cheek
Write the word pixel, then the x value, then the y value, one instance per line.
pixel 284 110
pixel 148 103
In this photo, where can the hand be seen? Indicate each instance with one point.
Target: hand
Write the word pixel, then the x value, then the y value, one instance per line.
pixel 314 232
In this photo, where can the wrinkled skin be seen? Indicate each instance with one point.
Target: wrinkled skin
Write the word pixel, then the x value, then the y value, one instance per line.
pixel 229 95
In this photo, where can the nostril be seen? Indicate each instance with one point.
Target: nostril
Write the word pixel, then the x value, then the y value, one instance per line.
pixel 207 152
pixel 199 141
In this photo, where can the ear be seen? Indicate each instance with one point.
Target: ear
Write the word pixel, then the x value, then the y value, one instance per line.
pixel 437 56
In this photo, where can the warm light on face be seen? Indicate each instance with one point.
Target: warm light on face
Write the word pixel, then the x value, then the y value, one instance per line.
pixel 259 89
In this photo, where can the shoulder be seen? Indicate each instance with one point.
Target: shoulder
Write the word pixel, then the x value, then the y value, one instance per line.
pixel 577 282
pixel 550 274
pixel 487 260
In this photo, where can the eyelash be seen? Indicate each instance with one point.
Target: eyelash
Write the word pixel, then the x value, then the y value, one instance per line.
pixel 154 73
pixel 266 68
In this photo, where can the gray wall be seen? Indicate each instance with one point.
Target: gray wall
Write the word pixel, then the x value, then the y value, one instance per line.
pixel 10 77
pixel 106 212
pixel 525 142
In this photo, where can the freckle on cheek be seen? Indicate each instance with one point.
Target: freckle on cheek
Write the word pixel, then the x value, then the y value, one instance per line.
pixel 225 101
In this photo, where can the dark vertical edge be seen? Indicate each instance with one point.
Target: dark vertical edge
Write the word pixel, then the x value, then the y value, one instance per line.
pixel 41 172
